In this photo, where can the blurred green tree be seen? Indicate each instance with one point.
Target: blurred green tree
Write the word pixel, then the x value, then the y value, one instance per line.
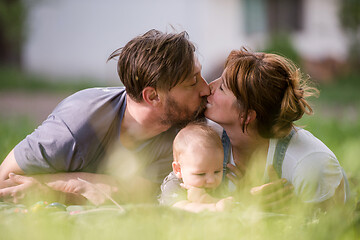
pixel 350 19
pixel 280 43
pixel 12 34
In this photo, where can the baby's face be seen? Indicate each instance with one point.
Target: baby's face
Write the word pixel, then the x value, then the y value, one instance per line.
pixel 202 167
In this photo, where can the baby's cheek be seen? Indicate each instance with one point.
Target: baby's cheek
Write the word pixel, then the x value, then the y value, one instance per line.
pixel 196 182
pixel 219 179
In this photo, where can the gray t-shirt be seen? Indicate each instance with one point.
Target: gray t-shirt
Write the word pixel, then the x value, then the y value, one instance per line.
pixel 171 191
pixel 81 130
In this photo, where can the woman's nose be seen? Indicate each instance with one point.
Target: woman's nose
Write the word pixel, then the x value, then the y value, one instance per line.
pixel 212 86
pixel 205 89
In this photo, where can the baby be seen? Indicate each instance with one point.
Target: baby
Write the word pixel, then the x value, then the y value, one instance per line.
pixel 197 170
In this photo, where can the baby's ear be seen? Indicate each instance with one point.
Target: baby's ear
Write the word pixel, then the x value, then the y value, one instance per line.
pixel 177 169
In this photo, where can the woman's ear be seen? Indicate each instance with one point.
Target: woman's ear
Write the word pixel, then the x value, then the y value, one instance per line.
pixel 150 96
pixel 249 118
pixel 176 169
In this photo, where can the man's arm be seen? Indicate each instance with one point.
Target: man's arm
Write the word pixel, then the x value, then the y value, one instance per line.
pixel 69 188
pixel 16 187
pixel 9 165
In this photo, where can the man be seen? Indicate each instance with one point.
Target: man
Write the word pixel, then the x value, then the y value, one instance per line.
pixel 164 89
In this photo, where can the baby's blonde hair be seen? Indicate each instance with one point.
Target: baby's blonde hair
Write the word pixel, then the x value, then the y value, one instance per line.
pixel 195 134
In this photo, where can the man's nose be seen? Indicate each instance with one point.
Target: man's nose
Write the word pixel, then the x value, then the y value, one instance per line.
pixel 205 89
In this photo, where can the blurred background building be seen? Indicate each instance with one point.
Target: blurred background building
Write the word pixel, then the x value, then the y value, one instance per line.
pixel 73 38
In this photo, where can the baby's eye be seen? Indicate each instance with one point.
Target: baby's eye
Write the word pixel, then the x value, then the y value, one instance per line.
pixel 216 172
pixel 200 174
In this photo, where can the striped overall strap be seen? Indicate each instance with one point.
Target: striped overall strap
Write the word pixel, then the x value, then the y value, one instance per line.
pixel 226 145
pixel 280 151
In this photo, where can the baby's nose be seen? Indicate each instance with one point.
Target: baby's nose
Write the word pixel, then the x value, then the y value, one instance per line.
pixel 210 179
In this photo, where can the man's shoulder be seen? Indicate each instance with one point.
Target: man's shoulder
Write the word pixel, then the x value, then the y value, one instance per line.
pixel 89 100
pixel 97 92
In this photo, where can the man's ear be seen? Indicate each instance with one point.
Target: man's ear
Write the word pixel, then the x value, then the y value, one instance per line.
pixel 177 169
pixel 150 96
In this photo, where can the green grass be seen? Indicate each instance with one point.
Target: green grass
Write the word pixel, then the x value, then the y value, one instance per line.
pixel 342 90
pixel 12 131
pixel 154 222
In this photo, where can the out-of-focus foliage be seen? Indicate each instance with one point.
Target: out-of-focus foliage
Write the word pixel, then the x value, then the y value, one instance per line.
pixel 280 43
pixel 350 14
pixel 12 78
pixel 343 90
pixel 12 132
pixel 350 19
pixel 12 31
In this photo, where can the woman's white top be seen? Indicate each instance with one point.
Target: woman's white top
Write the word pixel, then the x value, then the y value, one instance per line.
pixel 309 165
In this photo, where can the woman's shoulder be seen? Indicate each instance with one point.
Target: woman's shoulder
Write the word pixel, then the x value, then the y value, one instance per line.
pixel 305 143
pixel 307 152
pixel 312 167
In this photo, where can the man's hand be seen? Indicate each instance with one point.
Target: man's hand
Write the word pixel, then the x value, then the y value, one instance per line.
pixel 275 195
pixel 96 193
pixel 17 187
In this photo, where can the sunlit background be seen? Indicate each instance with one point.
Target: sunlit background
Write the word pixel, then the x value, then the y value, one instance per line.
pixel 73 38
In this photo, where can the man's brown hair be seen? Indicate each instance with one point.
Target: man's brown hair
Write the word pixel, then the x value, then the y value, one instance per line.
pixel 154 59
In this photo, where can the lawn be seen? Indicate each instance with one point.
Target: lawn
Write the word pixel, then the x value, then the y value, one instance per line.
pixel 340 133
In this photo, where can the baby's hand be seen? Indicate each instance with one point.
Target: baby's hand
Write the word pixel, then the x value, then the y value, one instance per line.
pixel 225 204
pixel 194 194
pixel 198 195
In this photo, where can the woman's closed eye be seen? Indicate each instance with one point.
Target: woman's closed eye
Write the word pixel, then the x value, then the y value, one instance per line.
pixel 221 87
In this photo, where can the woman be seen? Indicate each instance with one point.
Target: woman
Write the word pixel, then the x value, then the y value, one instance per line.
pixel 256 101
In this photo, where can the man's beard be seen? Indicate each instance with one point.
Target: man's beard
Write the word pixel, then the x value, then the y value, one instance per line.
pixel 179 117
